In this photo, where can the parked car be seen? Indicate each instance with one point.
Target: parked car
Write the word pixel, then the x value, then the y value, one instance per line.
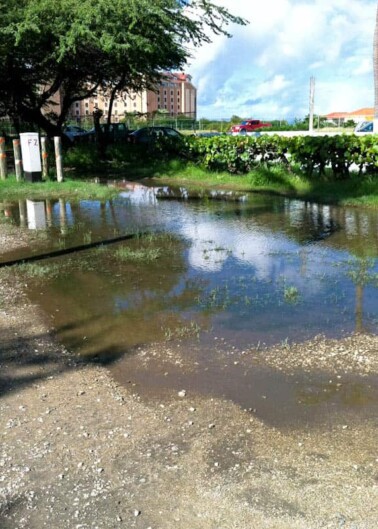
pixel 148 135
pixel 249 125
pixel 365 126
pixel 73 133
pixel 117 131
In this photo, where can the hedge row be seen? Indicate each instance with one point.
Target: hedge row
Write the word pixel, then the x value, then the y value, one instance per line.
pixel 313 154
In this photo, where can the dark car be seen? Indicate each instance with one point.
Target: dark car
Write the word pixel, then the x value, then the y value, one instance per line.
pixel 73 133
pixel 148 135
pixel 117 132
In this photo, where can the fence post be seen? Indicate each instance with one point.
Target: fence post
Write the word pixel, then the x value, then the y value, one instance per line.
pixel 3 159
pixel 58 158
pixel 17 159
pixel 45 162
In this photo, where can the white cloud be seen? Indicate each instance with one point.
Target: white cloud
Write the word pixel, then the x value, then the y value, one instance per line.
pixel 264 70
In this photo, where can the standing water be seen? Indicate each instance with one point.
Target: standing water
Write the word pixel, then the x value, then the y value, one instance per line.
pixel 214 277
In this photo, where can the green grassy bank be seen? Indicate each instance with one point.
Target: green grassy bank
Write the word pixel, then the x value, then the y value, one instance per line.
pixel 71 188
pixel 356 191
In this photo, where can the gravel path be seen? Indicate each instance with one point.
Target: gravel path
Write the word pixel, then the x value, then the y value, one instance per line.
pixel 79 451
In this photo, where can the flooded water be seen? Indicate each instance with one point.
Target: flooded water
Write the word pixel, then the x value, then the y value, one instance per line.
pixel 225 272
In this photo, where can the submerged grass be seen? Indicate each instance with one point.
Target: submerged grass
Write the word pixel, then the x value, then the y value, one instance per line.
pixel 145 248
pixel 140 254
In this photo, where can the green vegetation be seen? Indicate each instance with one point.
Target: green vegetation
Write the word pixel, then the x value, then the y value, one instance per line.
pixel 329 169
pixel 71 48
pixel 145 248
pixel 183 331
pixel 10 189
pixel 141 254
pixel 314 155
pixel 291 294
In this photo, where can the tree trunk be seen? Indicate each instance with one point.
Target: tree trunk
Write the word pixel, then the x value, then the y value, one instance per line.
pixel 375 62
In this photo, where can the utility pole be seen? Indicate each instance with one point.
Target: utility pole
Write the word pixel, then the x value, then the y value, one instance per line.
pixel 312 102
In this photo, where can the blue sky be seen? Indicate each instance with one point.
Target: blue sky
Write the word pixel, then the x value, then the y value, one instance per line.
pixel 264 70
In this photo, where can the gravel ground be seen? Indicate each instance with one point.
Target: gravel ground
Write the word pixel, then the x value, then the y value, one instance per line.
pixel 79 451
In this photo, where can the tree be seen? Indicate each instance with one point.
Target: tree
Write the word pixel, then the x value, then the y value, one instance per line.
pixel 71 48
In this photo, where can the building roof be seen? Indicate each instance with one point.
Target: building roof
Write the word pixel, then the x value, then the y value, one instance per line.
pixel 363 112
pixel 336 115
pixel 366 112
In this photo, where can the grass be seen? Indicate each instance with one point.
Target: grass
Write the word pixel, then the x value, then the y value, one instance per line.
pixel 150 247
pixel 135 164
pixel 10 189
pixel 291 294
pixel 146 255
pixel 356 191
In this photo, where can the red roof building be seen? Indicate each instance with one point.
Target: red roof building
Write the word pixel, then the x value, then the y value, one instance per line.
pixel 362 114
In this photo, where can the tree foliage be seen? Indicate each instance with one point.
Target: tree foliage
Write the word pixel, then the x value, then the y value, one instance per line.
pixel 73 47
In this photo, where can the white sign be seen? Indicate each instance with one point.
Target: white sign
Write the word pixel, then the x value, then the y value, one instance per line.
pixel 31 153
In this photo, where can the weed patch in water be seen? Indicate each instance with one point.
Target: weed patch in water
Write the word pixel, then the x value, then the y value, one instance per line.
pixel 184 331
pixel 40 271
pixel 291 294
pixel 142 254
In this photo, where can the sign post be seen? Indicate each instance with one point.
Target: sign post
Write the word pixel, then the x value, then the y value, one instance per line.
pixel 31 156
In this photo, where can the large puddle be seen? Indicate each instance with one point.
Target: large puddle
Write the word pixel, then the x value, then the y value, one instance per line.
pixel 218 275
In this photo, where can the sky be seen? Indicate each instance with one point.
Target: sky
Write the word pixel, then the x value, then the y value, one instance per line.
pixel 264 70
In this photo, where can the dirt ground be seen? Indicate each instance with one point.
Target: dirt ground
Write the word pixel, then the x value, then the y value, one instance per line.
pixel 79 451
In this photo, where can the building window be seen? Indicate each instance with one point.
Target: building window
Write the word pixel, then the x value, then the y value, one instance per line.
pixel 77 113
pixel 77 104
pixel 86 112
pixel 86 105
pixel 116 112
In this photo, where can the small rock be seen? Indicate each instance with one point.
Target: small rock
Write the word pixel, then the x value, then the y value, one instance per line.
pixel 137 513
pixel 182 393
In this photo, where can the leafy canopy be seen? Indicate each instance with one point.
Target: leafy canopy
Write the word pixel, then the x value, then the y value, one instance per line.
pixel 73 47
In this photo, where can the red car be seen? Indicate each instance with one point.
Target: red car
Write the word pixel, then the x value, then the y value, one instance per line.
pixel 249 125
